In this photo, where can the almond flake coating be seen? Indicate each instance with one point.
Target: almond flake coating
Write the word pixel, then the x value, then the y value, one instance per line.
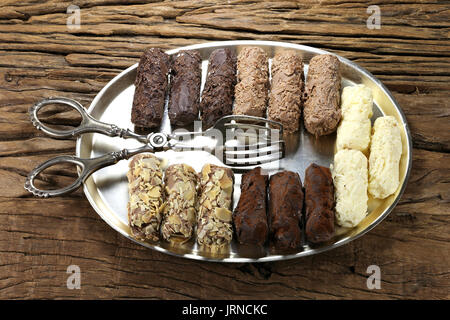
pixel 181 200
pixel 214 213
pixel 146 204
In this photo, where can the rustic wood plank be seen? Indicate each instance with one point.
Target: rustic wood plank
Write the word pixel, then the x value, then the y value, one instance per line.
pixel 41 57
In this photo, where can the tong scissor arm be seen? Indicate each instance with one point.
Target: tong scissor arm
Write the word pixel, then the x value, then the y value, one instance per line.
pixel 86 166
pixel 88 123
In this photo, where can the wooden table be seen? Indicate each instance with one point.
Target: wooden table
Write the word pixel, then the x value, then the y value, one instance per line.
pixel 40 56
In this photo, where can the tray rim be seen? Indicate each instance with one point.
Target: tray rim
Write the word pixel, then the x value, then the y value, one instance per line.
pixel 310 252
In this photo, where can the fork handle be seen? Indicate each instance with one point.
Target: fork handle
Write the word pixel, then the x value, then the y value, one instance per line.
pixel 87 166
pixel 88 123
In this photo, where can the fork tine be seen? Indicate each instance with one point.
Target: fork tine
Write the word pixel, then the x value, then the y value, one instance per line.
pixel 246 126
pixel 253 164
pixel 240 118
pixel 259 144
pixel 254 160
pixel 250 131
pixel 237 118
pixel 187 147
pixel 252 138
pixel 254 151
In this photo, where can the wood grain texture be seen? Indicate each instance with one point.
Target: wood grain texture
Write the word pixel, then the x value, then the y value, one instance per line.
pixel 41 57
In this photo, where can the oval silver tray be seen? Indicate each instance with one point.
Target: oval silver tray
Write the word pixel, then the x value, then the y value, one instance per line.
pixel 107 189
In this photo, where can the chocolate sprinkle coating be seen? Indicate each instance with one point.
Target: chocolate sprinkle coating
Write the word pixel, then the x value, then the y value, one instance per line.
pixel 151 86
pixel 250 216
pixel 251 92
pixel 319 202
pixel 285 102
pixel 285 209
pixel 322 111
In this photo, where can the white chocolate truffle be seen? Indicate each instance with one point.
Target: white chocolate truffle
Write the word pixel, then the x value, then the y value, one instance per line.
pixel 384 160
pixel 350 182
pixel 354 129
pixel 353 135
pixel 356 102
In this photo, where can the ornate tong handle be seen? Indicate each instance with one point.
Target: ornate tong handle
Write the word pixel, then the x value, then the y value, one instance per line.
pixel 87 166
pixel 88 123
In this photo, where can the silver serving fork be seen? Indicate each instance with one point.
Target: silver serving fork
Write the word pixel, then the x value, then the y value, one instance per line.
pixel 249 142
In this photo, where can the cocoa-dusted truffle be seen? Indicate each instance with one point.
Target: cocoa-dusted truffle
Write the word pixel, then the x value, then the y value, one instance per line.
pixel 151 86
pixel 319 202
pixel 250 216
pixel 185 88
pixel 218 94
pixel 285 209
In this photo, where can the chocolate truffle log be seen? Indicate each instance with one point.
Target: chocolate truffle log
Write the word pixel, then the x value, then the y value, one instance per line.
pixel 214 214
pixel 180 211
pixel 321 111
pixel 285 209
pixel 285 101
pixel 151 86
pixel 145 187
pixel 218 94
pixel 250 217
pixel 251 92
pixel 319 202
pixel 185 88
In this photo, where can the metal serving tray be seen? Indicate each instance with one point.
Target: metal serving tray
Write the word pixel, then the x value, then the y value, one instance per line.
pixel 107 189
